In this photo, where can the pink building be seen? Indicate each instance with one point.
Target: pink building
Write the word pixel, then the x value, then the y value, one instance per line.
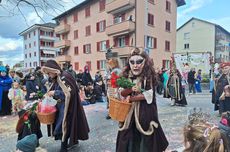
pixel 87 30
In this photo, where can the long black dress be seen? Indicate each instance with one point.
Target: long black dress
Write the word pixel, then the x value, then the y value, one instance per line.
pixel 132 139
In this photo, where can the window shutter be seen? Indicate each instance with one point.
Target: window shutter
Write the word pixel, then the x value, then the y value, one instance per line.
pixel 127 40
pixel 97 26
pixel 107 44
pixel 123 17
pixel 155 43
pixel 104 24
pixel 83 48
pixel 148 18
pixel 115 42
pixel 98 65
pixel 98 46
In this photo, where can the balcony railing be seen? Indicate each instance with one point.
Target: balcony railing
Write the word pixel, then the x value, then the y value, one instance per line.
pixel 45 37
pixel 62 28
pixel 120 28
pixel 62 44
pixel 117 6
pixel 63 58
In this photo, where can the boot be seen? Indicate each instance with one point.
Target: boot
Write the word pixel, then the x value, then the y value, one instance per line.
pixel 64 147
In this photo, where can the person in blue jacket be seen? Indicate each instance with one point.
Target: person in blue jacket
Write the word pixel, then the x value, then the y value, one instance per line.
pixel 5 85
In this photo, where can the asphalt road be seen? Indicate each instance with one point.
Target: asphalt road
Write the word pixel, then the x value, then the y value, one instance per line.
pixel 103 132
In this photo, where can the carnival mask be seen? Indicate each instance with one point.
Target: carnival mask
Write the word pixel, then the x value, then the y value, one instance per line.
pixel 226 69
pixel 136 64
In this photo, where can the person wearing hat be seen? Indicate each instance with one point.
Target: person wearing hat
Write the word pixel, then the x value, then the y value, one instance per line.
pixel 5 85
pixel 220 83
pixel 72 72
pixel 31 87
pixel 70 124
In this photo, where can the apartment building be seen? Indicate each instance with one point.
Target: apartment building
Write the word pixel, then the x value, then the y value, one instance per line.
pixel 197 35
pixel 38 42
pixel 87 30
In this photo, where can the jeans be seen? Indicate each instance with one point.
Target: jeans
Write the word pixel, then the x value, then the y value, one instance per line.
pixel 191 88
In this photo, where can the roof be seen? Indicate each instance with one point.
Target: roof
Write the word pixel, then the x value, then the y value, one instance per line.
pixel 85 2
pixel 48 25
pixel 216 25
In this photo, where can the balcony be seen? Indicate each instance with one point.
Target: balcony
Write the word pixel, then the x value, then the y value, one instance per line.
pixel 51 48
pixel 62 44
pixel 123 51
pixel 63 58
pixel 117 6
pixel 45 37
pixel 62 28
pixel 120 28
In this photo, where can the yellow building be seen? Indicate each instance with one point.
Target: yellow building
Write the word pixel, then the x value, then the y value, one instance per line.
pixel 87 30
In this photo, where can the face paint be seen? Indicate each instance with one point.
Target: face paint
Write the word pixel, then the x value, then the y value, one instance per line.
pixel 136 64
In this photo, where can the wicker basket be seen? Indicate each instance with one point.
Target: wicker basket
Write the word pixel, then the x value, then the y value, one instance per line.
pixel 46 118
pixel 118 110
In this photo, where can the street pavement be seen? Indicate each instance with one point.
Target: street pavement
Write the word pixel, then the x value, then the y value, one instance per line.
pixel 102 137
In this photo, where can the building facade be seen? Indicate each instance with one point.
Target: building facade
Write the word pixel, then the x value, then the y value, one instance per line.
pixel 38 43
pixel 90 28
pixel 201 36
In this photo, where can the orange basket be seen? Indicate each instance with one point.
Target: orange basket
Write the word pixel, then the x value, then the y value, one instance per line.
pixel 46 118
pixel 118 110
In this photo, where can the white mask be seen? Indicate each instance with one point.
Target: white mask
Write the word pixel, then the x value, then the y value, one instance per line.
pixel 136 64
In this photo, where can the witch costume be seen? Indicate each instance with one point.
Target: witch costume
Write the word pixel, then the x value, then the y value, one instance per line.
pixel 70 123
pixel 5 85
pixel 141 131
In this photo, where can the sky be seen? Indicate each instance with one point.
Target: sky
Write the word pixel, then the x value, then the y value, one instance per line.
pixel 11 24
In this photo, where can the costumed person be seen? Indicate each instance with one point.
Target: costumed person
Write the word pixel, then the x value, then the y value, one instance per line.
pixel 31 87
pixel 72 72
pixel 70 124
pixel 115 71
pixel 86 77
pixel 198 81
pixel 27 144
pixel 174 90
pixel 16 95
pixel 201 135
pixel 79 77
pixel 5 85
pixel 141 131
pixel 220 83
pixel 225 99
pixel 191 81
pixel 165 77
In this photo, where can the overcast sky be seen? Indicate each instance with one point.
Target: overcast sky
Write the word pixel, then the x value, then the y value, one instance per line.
pixel 11 43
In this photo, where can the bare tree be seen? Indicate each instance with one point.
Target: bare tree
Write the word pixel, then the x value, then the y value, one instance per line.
pixel 49 7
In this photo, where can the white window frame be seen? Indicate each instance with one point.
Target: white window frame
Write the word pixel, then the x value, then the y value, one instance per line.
pixel 87 48
pixel 149 42
pixel 102 64
pixel 103 46
pixel 186 35
pixel 121 41
pixel 101 26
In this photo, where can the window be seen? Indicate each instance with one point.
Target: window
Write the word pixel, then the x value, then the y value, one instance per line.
pixel 101 5
pixel 166 64
pixel 75 17
pixel 89 64
pixel 30 64
pixel 26 65
pixel 101 26
pixel 121 41
pixel 75 34
pixel 168 6
pixel 87 48
pixel 150 19
pixel 103 45
pixel 150 42
pixel 25 46
pixel 35 54
pixel 87 11
pixel 76 66
pixel 29 35
pixel 87 31
pixel 35 64
pixel 25 55
pixel 123 61
pixel 30 55
pixel 167 46
pixel 65 20
pixel 186 46
pixel 34 33
pixel 167 26
pixel 186 35
pixel 119 18
pixel 29 45
pixel 101 64
pixel 76 50
pixel 34 43
pixel 25 37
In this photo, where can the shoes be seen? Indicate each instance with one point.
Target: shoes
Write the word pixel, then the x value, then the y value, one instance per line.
pixel 63 147
pixel 108 117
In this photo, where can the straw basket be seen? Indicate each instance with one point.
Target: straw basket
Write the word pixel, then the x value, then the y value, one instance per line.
pixel 46 118
pixel 118 110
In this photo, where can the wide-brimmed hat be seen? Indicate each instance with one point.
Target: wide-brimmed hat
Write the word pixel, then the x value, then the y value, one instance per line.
pixel 28 143
pixel 51 66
